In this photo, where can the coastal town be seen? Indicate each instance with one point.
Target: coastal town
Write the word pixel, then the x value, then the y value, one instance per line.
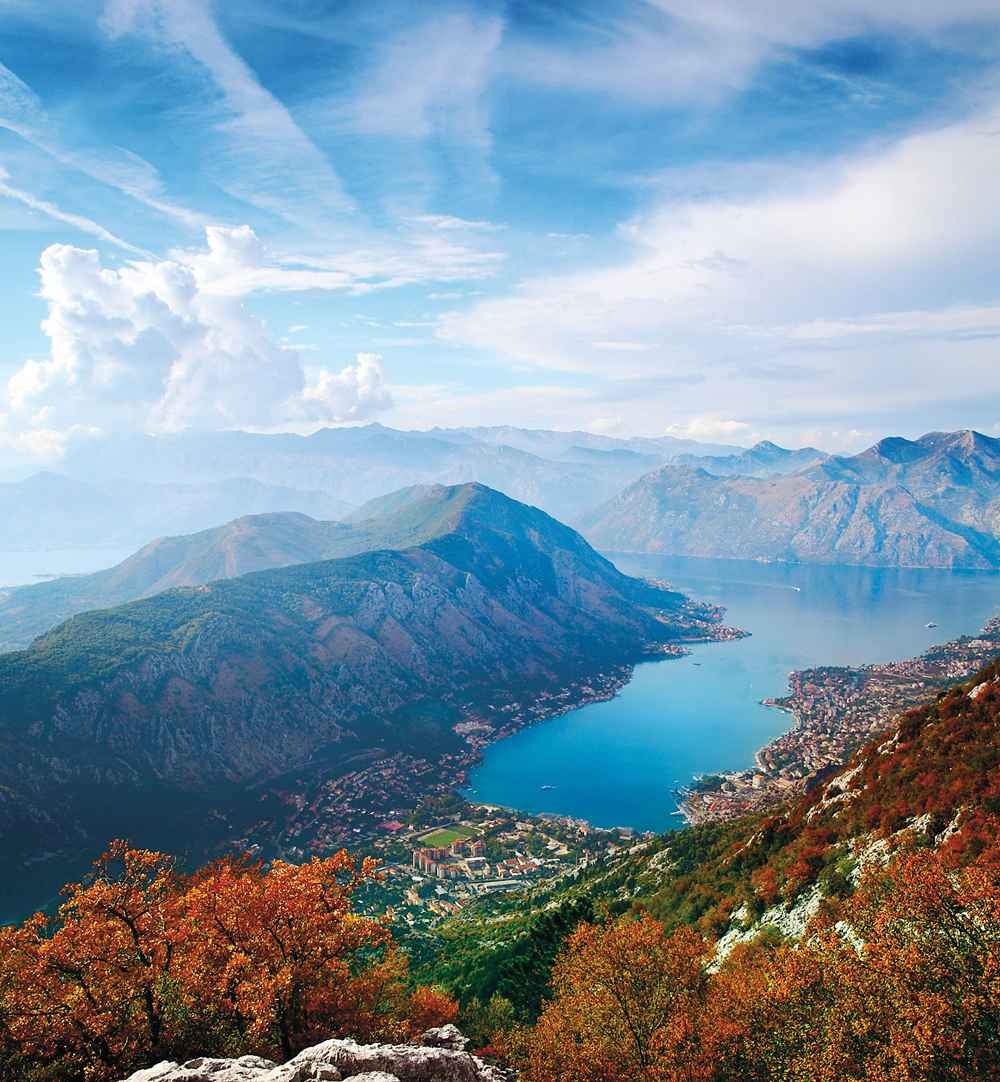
pixel 319 809
pixel 836 709
pixel 479 850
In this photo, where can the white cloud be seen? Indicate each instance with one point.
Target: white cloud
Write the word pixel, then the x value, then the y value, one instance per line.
pixel 851 285
pixel 154 346
pixel 355 393
pixel 450 222
pixel 430 81
pixel 693 51
pixel 623 347
pixel 710 428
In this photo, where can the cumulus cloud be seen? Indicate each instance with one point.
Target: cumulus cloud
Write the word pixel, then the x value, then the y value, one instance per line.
pixel 159 346
pixel 710 428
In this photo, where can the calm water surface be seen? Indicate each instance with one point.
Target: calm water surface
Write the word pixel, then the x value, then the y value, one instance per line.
pixel 617 763
pixel 32 565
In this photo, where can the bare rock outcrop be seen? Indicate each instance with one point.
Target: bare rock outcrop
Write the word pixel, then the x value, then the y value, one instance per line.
pixel 441 1058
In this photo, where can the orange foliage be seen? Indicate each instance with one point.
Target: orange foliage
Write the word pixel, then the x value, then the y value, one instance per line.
pixel 901 984
pixel 142 963
pixel 628 998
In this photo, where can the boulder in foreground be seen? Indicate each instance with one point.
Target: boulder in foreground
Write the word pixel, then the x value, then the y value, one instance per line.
pixel 440 1059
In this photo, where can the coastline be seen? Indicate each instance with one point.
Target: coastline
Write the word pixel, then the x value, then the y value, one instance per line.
pixel 349 809
pixel 835 709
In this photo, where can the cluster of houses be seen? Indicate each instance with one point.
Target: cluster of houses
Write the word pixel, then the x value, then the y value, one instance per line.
pixel 464 858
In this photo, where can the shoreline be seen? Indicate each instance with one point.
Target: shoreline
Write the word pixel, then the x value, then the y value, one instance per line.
pixel 836 709
pixel 327 813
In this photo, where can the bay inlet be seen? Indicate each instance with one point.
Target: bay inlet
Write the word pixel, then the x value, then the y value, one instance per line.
pixel 619 763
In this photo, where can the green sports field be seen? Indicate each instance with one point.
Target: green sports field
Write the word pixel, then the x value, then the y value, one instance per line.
pixel 447 836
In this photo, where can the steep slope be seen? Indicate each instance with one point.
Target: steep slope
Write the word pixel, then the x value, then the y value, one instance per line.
pixel 206 689
pixel 764 459
pixel 934 502
pixel 49 510
pixel 252 543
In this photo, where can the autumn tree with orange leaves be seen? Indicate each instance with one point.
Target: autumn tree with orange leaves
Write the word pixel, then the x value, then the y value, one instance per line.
pixel 627 1005
pixel 142 963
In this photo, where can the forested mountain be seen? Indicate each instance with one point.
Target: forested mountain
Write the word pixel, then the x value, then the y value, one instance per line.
pixel 202 690
pixel 253 543
pixel 932 502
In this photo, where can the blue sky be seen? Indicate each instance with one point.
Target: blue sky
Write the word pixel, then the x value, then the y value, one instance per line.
pixel 731 219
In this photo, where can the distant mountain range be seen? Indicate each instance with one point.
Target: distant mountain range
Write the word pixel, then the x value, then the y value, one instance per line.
pixel 564 473
pixel 51 510
pixel 931 502
pixel 168 707
pixel 558 445
pixel 764 459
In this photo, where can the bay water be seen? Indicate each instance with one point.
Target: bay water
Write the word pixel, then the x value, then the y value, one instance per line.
pixel 619 763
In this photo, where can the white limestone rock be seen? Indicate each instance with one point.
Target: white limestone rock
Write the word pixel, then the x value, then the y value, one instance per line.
pixel 446 1036
pixel 443 1058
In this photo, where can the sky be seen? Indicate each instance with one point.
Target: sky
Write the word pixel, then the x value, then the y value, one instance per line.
pixel 724 219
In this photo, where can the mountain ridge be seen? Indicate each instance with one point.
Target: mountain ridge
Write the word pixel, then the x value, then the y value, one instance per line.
pixel 354 463
pixel 396 521
pixel 229 683
pixel 932 502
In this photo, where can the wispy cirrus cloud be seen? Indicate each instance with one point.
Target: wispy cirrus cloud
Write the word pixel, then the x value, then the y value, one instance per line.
pixel 57 214
pixel 22 113
pixel 688 51
pixel 257 151
pixel 429 80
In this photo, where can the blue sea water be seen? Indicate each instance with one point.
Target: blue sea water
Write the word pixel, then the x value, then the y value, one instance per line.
pixel 618 763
